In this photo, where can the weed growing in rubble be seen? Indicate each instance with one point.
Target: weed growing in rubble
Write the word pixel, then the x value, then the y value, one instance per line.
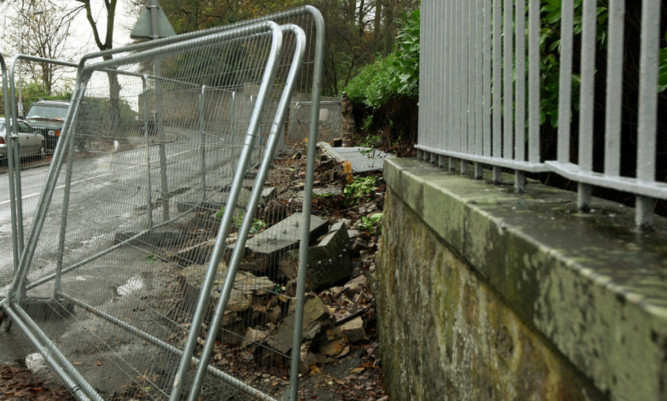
pixel 237 220
pixel 358 189
pixel 372 223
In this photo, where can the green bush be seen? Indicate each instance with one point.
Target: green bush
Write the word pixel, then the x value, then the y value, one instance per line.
pixel 392 76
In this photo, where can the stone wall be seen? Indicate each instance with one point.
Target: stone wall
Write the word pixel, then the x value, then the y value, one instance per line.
pixel 485 294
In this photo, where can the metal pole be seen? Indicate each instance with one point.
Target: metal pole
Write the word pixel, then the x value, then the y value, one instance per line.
pixel 307 200
pixel 202 130
pixel 149 189
pixel 153 6
pixel 47 194
pixel 64 214
pixel 14 168
pixel 10 173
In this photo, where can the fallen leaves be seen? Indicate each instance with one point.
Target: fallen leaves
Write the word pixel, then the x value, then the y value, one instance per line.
pixel 17 383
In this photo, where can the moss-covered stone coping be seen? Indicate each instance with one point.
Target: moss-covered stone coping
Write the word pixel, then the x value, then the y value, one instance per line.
pixel 593 285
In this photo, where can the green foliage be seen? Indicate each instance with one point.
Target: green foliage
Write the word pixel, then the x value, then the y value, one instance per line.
pixel 99 109
pixel 662 73
pixel 372 223
pixel 371 141
pixel 408 55
pixel 33 91
pixel 550 41
pixel 392 76
pixel 375 84
pixel 237 220
pixel 359 189
pixel 152 259
pixel 257 226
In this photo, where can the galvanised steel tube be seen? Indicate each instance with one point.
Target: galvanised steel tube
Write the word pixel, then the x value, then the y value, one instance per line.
pixel 202 129
pixel 63 220
pixel 648 109
pixel 307 199
pixel 149 199
pixel 13 171
pixel 208 38
pixel 202 303
pixel 565 80
pixel 166 346
pixel 12 191
pixel 66 196
pixel 159 126
pixel 37 336
pixel 239 248
pixel 71 385
pixel 172 39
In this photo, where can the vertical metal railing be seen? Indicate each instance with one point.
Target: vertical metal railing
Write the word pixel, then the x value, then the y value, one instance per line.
pixel 643 182
pixel 480 94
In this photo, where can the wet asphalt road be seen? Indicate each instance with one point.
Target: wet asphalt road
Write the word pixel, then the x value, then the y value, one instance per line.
pixel 99 182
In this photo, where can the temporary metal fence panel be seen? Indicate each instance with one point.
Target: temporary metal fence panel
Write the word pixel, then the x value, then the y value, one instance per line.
pixel 480 100
pixel 153 190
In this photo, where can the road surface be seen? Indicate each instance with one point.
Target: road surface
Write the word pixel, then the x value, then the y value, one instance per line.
pixel 108 194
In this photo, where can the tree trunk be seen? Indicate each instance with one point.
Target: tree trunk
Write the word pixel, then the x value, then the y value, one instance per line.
pixel 389 26
pixel 114 104
pixel 378 20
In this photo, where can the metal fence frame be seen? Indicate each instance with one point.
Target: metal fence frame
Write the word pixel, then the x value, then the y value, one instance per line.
pixel 10 304
pixel 473 110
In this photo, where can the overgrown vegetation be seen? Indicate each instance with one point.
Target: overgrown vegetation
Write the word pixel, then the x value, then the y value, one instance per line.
pixel 358 189
pixel 372 223
pixel 392 76
pixel 385 93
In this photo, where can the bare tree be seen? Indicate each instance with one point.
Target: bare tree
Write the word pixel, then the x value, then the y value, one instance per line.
pixel 41 28
pixel 106 44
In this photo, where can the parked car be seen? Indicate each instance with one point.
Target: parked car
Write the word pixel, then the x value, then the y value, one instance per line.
pixel 31 142
pixel 48 116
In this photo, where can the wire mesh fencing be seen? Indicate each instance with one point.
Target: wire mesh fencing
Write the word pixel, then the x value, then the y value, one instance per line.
pixel 151 267
pixel 329 120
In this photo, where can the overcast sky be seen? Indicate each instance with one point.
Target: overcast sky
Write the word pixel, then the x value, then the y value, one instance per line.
pixel 82 34
pixel 81 39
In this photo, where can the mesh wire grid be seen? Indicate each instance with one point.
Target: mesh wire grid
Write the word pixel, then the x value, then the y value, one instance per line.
pixel 158 152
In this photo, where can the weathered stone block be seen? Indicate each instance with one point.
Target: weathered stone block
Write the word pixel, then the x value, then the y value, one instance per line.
pixel 354 330
pixel 315 319
pixel 328 263
pixel 267 247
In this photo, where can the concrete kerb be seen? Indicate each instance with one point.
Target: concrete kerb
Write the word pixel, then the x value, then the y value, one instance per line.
pixel 589 283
